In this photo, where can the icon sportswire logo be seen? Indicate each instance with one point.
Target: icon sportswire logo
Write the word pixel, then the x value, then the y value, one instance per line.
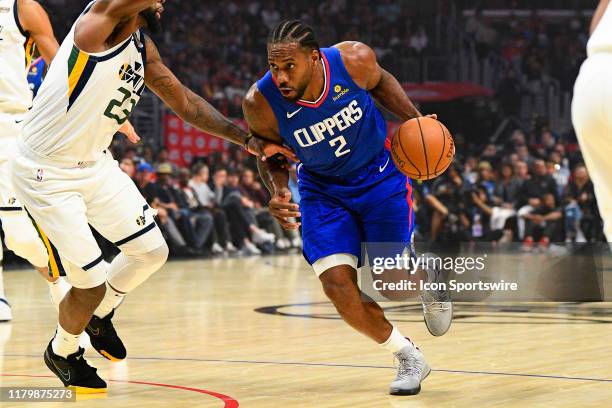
pixel 292 114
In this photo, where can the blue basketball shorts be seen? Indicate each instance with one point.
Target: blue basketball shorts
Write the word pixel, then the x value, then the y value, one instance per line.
pixel 340 213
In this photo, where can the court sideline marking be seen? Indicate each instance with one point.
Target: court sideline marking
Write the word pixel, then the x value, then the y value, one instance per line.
pixel 339 365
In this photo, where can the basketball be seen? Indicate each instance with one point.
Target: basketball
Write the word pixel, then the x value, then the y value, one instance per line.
pixel 422 148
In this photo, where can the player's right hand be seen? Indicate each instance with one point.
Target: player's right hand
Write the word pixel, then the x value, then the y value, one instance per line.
pixel 283 209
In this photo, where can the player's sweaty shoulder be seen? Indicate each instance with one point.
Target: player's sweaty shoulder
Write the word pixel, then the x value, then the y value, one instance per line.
pixel 359 60
pixel 259 115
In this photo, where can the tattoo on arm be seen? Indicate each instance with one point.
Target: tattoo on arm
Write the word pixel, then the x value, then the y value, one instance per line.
pixel 185 103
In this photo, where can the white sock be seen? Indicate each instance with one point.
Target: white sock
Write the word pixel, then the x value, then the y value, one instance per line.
pixel 58 290
pixel 65 343
pixel 396 341
pixel 111 300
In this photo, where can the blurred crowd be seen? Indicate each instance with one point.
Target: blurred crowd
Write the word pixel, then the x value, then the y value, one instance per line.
pixel 216 206
pixel 532 189
pixel 532 53
pixel 233 56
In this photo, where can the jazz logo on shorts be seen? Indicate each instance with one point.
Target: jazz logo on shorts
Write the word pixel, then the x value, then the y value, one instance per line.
pixel 39 174
pixel 12 201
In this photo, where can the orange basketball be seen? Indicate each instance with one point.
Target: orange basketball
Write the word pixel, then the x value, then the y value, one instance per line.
pixel 422 148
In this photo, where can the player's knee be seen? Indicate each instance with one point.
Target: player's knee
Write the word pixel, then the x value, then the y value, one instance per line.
pixel 92 296
pixel 156 258
pixel 338 284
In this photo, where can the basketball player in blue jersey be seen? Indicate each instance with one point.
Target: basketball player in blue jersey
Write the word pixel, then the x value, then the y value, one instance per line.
pixel 320 102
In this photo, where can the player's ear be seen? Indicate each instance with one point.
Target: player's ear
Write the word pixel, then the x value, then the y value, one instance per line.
pixel 315 55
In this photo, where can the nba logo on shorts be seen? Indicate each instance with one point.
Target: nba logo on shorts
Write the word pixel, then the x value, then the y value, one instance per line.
pixel 39 174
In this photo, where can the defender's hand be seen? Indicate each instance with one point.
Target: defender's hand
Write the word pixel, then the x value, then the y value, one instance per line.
pixel 128 130
pixel 282 209
pixel 264 149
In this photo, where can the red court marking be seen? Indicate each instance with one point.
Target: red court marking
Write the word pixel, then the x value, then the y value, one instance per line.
pixel 227 400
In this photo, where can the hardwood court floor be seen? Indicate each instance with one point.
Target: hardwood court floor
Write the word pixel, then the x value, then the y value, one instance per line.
pixel 195 339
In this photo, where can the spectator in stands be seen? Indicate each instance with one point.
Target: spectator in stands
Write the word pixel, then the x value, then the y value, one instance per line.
pixel 149 189
pixel 253 189
pixel 128 167
pixel 509 93
pixel 169 198
pixel 582 220
pixel 446 198
pixel 508 186
pixel 201 219
pixel 163 158
pixel 543 224
pixel 533 191
pixel 243 228
pixel 206 198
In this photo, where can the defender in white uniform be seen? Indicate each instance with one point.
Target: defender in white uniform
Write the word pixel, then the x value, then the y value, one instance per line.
pixel 66 178
pixel 23 24
pixel 592 110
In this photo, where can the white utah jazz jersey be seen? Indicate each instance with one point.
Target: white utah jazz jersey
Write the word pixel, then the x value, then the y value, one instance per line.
pixel 601 39
pixel 15 57
pixel 85 99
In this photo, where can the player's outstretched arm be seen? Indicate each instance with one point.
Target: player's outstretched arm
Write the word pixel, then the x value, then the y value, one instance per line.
pixel 360 61
pixel 34 20
pixel 274 173
pixel 194 110
pixel 95 27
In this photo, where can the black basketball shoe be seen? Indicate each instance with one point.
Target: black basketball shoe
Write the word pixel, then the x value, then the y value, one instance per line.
pixel 75 372
pixel 104 338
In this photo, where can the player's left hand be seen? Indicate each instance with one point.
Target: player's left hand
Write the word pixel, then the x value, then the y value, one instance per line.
pixel 264 149
pixel 128 130
pixel 284 210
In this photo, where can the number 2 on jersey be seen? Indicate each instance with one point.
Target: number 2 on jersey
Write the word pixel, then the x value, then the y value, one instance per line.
pixel 340 151
pixel 123 113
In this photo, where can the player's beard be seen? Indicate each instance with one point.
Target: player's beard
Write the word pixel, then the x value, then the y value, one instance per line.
pixel 299 93
pixel 153 23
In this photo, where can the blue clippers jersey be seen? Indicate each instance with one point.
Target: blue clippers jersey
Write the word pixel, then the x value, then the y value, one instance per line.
pixel 337 135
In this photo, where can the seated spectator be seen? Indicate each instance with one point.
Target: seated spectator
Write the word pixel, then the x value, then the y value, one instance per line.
pixel 206 198
pixel 260 197
pixel 128 167
pixel 582 220
pixel 446 198
pixel 489 222
pixel 149 189
pixel 533 191
pixel 543 224
pixel 201 219
pixel 243 228
pixel 169 198
pixel 508 186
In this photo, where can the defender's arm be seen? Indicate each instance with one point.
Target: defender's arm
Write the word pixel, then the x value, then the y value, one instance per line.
pixel 95 27
pixel 360 61
pixel 35 21
pixel 187 105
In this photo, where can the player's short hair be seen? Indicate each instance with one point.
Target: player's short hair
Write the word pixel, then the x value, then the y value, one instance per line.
pixel 289 31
